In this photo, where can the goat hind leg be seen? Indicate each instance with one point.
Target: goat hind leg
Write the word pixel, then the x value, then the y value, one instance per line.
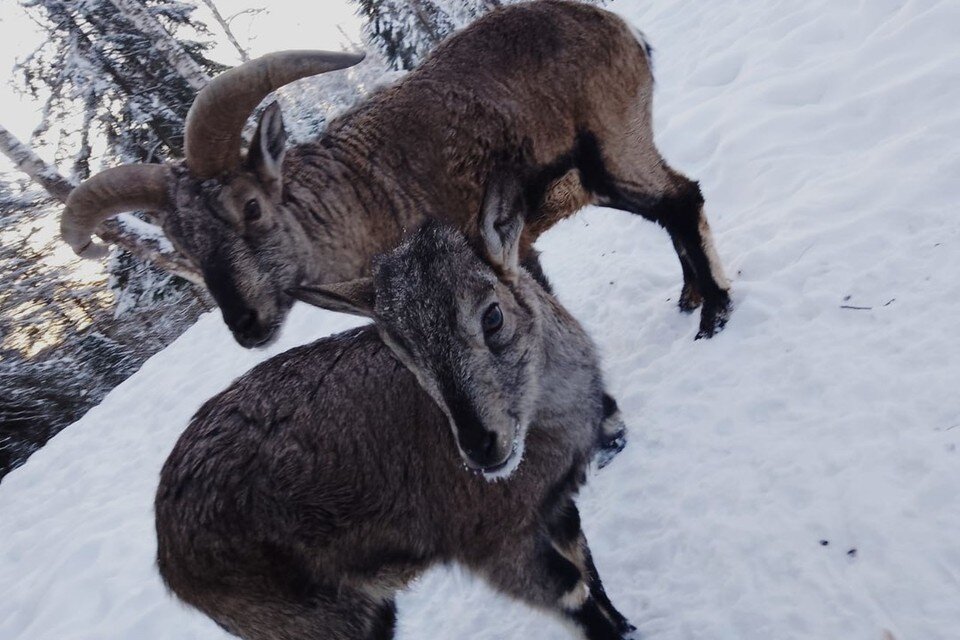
pixel 681 214
pixel 690 298
pixel 678 208
pixel 630 174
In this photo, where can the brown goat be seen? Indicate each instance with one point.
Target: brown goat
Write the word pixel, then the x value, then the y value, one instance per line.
pixel 569 83
pixel 301 499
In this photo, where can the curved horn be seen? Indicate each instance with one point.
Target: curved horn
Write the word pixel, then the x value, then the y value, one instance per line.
pixel 216 118
pixel 126 188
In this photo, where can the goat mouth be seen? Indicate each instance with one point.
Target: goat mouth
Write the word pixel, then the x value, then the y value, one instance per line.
pixel 509 464
pixel 261 337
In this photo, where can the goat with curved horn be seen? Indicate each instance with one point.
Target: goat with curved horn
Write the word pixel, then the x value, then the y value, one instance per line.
pixel 179 191
pixel 568 83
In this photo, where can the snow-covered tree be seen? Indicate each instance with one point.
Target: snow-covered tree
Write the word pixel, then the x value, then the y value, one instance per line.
pixel 101 72
pixel 27 161
pixel 172 51
pixel 124 73
pixel 145 246
pixel 65 341
pixel 308 105
pixel 406 30
pixel 115 89
pixel 63 344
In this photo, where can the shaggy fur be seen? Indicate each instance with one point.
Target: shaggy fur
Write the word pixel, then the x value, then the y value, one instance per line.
pixel 569 84
pixel 303 497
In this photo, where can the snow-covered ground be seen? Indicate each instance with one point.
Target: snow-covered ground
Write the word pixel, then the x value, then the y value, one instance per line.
pixel 796 477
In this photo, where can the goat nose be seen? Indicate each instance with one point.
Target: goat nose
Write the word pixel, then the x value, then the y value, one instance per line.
pixel 246 320
pixel 489 445
pixel 485 450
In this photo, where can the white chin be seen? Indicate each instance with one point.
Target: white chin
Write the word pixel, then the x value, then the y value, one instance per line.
pixel 516 457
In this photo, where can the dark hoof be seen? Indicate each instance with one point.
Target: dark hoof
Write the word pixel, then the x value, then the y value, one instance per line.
pixel 632 634
pixel 690 298
pixel 609 451
pixel 714 317
pixel 613 432
pixel 611 442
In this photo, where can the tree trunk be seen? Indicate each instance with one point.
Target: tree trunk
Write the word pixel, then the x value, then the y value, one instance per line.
pixel 425 21
pixel 178 58
pixel 31 164
pixel 244 56
pixel 110 230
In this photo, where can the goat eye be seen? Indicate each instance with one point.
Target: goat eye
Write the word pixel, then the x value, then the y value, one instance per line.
pixel 492 319
pixel 251 210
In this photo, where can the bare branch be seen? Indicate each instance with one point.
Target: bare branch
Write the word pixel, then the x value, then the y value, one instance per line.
pixel 111 231
pixel 244 56
pixel 31 164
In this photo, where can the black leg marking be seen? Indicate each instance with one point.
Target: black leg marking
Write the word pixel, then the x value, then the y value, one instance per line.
pixel 567 533
pixel 680 215
pixel 558 510
pixel 598 593
pixel 568 541
pixel 595 625
pixel 690 297
pixel 609 406
pixel 566 578
pixel 564 526
pixel 563 574
pixel 385 623
pixel 585 156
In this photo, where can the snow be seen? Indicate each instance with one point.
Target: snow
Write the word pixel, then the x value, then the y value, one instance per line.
pixel 824 136
pixel 145 230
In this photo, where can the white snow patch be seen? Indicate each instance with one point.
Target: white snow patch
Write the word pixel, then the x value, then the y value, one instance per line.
pixel 824 135
pixel 145 230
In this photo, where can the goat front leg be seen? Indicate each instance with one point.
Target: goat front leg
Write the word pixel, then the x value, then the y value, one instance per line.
pixel 543 577
pixel 613 432
pixel 552 569
pixel 568 538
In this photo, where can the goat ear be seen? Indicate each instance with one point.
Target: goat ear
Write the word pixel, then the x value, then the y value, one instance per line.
pixel 501 220
pixel 353 296
pixel 268 147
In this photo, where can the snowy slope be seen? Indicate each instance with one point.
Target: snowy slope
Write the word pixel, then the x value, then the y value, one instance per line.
pixel 825 138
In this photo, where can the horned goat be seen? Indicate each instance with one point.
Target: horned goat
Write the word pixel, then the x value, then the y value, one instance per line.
pixel 570 82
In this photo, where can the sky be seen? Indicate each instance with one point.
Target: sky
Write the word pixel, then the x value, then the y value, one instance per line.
pixel 283 24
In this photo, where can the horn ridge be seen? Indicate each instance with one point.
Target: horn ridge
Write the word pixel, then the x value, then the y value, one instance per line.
pixel 212 134
pixel 125 188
